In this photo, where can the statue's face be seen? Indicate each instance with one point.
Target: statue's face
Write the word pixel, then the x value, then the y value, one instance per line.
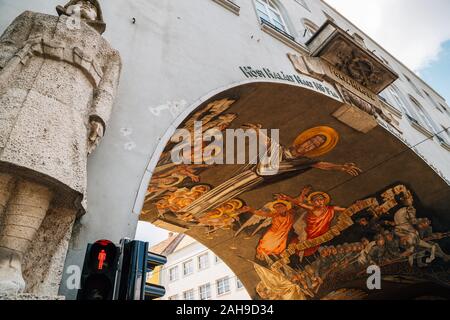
pixel 85 9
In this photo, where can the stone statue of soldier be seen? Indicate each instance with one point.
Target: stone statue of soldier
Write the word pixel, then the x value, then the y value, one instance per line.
pixel 58 81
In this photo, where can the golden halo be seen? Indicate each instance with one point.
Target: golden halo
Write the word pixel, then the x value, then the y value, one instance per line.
pixel 212 215
pixel 178 180
pixel 271 205
pixel 236 203
pixel 331 140
pixel 325 195
pixel 201 186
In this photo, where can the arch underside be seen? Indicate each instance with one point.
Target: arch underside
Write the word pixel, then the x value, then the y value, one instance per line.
pixel 389 168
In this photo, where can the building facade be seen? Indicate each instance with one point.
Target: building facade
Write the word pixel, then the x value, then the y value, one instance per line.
pixel 193 272
pixel 296 66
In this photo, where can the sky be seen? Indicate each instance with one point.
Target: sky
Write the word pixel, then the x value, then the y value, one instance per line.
pixel 417 32
pixel 149 233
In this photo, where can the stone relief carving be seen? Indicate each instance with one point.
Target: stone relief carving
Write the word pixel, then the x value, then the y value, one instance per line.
pixel 359 68
pixel 57 88
pixel 364 106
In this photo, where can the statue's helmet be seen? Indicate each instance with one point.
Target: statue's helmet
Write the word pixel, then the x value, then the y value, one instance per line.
pixel 98 24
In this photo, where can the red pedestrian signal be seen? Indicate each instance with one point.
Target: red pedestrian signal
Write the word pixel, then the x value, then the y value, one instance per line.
pixel 101 259
pixel 98 281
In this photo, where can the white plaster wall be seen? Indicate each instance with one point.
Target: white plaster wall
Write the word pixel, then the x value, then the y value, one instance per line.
pixel 178 51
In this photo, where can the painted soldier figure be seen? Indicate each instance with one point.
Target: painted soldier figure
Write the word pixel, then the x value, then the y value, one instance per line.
pixel 424 228
pixel 58 81
pixel 378 253
pixel 392 245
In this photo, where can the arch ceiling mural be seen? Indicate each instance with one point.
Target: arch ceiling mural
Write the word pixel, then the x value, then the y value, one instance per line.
pixel 341 200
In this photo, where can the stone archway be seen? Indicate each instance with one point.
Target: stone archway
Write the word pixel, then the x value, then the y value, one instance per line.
pixel 278 256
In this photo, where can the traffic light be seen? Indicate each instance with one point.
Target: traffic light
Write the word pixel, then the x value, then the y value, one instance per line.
pixel 112 272
pixel 98 279
pixel 136 263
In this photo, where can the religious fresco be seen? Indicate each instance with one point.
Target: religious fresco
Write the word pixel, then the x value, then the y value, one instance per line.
pixel 331 245
pixel 300 242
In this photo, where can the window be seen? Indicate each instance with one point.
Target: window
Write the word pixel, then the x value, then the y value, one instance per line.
pixel 413 85
pixel 239 284
pixel 383 96
pixel 435 104
pixel 424 117
pixel 429 123
pixel 445 109
pixel 303 4
pixel 205 292
pixel 445 136
pixel 173 274
pixel 203 261
pixel 230 5
pixel 223 286
pixel 188 268
pixel 310 28
pixel 269 12
pixel 217 260
pixel 174 297
pixel 188 295
pixel 398 102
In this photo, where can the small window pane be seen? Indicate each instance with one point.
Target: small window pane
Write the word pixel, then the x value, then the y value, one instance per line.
pixel 188 268
pixel 173 274
pixel 188 295
pixel 205 292
pixel 269 12
pixel 203 261
pixel 223 286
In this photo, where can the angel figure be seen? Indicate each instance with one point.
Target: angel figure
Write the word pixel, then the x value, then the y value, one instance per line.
pixel 318 218
pixel 280 216
pixel 169 178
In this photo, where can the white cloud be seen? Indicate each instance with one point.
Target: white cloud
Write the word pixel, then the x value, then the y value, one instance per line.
pixel 412 30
